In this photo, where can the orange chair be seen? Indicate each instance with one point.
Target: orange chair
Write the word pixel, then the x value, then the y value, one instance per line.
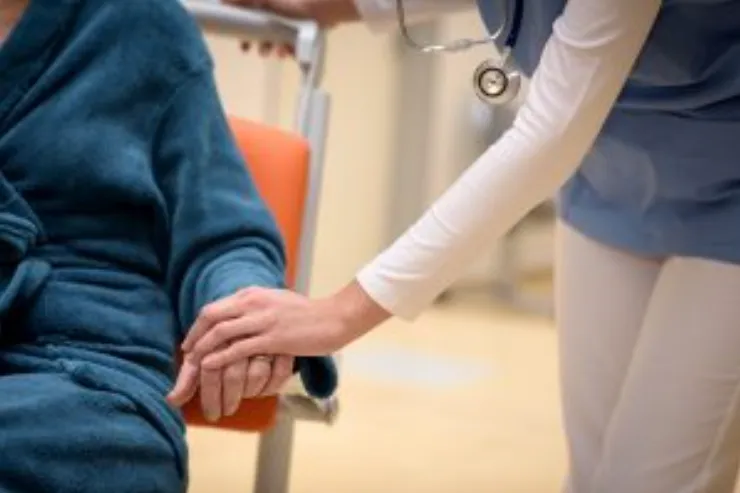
pixel 280 164
pixel 288 177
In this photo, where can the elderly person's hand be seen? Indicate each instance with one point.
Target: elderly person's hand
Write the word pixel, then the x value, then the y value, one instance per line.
pixel 222 390
pixel 269 321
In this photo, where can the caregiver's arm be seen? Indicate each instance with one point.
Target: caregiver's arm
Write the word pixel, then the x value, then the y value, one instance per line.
pixel 585 64
pixel 582 70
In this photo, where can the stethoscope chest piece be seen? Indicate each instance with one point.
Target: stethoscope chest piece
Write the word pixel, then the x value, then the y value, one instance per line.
pixel 494 84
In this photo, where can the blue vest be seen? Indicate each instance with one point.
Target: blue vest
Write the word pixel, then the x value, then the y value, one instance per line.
pixel 663 176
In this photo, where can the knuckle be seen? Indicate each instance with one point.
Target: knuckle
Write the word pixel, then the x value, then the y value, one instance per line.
pixel 232 353
pixel 246 291
pixel 271 316
pixel 250 299
pixel 229 356
pixel 261 296
pixel 218 331
pixel 234 373
pixel 242 303
pixel 207 314
pixel 240 349
pixel 285 368
pixel 259 372
pixel 191 360
pixel 224 330
pixel 284 372
pixel 195 356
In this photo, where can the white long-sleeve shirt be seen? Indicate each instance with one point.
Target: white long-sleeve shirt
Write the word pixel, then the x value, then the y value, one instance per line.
pixel 584 65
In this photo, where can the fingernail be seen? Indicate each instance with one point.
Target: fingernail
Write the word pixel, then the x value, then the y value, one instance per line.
pixel 211 416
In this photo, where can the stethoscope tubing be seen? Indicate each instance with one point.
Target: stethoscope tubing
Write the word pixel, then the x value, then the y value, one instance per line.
pixel 466 43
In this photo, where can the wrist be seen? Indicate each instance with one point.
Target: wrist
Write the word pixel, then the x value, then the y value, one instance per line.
pixel 358 312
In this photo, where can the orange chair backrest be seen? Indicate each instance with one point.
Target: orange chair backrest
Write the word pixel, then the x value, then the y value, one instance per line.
pixel 278 162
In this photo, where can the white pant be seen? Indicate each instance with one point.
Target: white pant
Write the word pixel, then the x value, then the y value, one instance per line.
pixel 650 364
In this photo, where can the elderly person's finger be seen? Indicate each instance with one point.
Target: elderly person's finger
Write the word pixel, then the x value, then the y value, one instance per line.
pixel 258 374
pixel 282 370
pixel 210 393
pixel 186 384
pixel 234 382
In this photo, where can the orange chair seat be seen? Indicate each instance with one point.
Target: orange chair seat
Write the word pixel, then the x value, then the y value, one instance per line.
pixel 278 162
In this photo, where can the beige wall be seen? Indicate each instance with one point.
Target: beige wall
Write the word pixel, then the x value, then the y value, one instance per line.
pixel 360 78
pixel 454 147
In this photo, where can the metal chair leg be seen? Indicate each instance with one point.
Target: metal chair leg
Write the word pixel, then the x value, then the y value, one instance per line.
pixel 274 456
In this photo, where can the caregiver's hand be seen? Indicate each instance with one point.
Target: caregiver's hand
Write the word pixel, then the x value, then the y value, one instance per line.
pixel 280 322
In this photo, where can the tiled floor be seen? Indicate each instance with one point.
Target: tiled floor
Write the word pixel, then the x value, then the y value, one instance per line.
pixel 465 400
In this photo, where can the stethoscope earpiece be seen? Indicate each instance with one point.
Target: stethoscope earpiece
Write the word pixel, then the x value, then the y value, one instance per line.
pixel 494 84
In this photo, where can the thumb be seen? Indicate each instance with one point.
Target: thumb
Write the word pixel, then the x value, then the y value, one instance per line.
pixel 186 384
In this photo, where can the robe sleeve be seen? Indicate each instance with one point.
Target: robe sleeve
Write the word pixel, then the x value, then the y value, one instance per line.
pixel 222 237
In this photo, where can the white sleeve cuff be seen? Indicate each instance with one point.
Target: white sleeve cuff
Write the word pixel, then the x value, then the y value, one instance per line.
pixel 382 292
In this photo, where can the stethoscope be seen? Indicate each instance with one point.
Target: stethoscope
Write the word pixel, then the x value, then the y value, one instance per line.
pixel 495 82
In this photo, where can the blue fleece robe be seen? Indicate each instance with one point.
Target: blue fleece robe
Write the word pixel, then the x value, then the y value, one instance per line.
pixel 125 207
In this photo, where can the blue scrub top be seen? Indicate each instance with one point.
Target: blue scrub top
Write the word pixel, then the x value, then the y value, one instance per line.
pixel 663 176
